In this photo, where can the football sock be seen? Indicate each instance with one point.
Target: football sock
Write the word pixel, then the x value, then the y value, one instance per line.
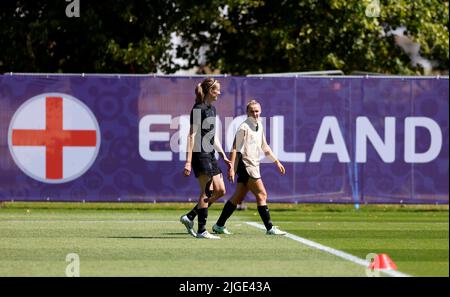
pixel 193 213
pixel 202 217
pixel 265 216
pixel 227 211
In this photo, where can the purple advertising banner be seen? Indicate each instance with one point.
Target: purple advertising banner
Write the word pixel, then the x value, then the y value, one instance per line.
pixel 123 138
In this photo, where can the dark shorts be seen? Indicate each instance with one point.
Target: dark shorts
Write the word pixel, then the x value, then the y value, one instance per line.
pixel 242 172
pixel 204 163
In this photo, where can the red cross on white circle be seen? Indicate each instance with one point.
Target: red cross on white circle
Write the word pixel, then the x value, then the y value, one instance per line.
pixel 69 151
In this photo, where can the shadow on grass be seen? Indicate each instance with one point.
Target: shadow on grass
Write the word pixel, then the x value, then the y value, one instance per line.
pixel 178 235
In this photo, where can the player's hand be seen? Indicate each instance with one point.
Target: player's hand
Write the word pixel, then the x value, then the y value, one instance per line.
pixel 231 175
pixel 280 167
pixel 228 162
pixel 187 169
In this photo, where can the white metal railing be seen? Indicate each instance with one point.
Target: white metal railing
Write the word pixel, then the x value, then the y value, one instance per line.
pixel 309 74
pixel 306 73
pixel 113 74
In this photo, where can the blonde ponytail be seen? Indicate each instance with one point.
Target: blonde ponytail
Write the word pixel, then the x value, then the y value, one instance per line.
pixel 252 102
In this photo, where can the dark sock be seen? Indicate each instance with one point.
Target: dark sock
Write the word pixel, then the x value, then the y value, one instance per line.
pixel 202 217
pixel 265 216
pixel 193 213
pixel 227 211
pixel 208 192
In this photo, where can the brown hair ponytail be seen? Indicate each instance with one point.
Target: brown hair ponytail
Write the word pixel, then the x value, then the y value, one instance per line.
pixel 203 88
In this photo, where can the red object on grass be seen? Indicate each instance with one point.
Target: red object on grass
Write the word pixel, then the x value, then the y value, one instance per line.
pixel 382 261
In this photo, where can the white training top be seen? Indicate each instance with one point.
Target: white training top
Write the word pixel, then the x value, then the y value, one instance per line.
pixel 249 143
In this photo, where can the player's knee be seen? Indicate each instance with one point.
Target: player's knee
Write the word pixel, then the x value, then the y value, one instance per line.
pixel 220 192
pixel 262 196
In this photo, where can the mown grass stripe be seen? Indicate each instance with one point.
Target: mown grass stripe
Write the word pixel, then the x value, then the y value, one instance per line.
pixel 335 252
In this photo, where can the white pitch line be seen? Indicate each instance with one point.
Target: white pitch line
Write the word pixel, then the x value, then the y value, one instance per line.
pixel 85 221
pixel 332 251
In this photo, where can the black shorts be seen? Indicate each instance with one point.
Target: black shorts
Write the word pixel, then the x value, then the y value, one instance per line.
pixel 205 163
pixel 242 172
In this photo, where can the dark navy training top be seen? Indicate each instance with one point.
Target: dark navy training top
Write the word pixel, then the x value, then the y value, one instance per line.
pixel 203 116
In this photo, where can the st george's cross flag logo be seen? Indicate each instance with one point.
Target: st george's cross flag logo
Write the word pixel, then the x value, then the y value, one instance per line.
pixel 54 138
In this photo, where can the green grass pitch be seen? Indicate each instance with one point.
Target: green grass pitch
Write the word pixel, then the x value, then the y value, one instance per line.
pixel 141 239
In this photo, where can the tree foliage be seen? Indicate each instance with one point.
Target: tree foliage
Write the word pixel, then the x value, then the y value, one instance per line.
pixel 231 36
pixel 109 36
